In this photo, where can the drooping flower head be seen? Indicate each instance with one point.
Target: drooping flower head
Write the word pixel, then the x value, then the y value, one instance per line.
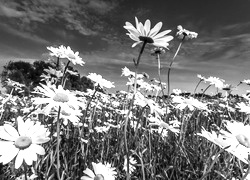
pixel 144 33
pixel 22 143
pixel 185 34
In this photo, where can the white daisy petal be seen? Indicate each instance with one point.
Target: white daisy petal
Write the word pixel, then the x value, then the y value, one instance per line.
pixel 142 33
pixel 37 149
pixel 147 26
pixel 6 136
pixel 86 178
pixel 155 29
pixel 19 159
pixel 28 155
pixel 11 131
pixel 161 34
pixel 89 173
pixel 9 155
pixel 5 146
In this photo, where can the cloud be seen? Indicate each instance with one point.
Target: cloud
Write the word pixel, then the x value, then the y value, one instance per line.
pixel 85 17
pixel 9 12
pixel 25 35
pixel 101 6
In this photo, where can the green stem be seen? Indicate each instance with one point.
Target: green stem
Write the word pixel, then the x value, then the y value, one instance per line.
pixel 247 172
pixel 57 63
pixel 205 90
pixel 169 69
pixel 65 69
pixel 197 85
pixel 25 171
pixel 130 107
pixel 159 73
pixel 137 64
pixel 58 143
pixel 213 162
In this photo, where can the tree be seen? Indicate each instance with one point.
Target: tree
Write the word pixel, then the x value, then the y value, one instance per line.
pixel 29 75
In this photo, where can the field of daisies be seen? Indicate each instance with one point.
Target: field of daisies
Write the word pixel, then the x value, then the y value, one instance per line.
pixel 149 132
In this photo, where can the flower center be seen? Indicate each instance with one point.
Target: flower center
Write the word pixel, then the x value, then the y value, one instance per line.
pixel 146 39
pixel 65 113
pixel 99 177
pixel 60 97
pixel 243 140
pixel 23 142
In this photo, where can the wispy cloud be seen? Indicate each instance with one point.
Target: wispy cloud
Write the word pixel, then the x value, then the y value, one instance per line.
pixel 9 12
pixel 81 16
pixel 25 35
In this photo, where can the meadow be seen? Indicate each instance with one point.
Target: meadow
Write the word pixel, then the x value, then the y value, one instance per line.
pixel 149 132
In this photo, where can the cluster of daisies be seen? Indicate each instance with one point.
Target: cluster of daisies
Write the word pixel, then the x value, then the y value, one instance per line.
pixel 22 140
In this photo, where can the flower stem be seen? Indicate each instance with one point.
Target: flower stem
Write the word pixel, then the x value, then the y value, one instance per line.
pixel 130 107
pixel 205 90
pixel 137 64
pixel 58 143
pixel 169 69
pixel 197 85
pixel 25 171
pixel 57 63
pixel 65 69
pixel 159 73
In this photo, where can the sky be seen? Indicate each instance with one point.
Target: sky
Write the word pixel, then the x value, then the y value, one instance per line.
pixel 95 29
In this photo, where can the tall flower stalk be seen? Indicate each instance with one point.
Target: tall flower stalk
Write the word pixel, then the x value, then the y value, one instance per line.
pixel 181 34
pixel 136 63
pixel 143 34
pixel 157 52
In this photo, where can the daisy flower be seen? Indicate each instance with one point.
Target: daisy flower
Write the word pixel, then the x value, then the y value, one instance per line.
pixel 132 162
pixel 191 103
pixel 217 82
pixel 126 72
pixel 69 114
pixel 228 87
pixel 101 172
pixel 183 33
pixel 63 52
pixel 144 33
pixel 100 81
pixel 73 57
pixel 157 51
pixel 243 107
pixel 22 143
pixel 246 81
pixel 202 78
pixel 55 98
pixel 58 52
pixel 239 131
pixel 237 142
pixel 174 126
pixel 177 91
